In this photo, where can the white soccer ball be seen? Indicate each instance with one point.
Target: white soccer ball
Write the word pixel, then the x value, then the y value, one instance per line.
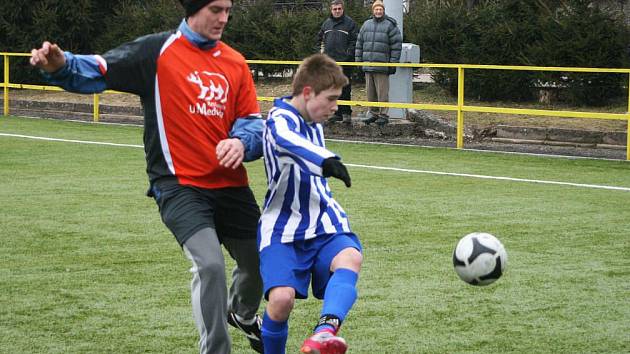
pixel 479 258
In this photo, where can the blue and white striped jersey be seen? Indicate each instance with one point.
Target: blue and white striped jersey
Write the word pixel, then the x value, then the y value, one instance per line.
pixel 299 204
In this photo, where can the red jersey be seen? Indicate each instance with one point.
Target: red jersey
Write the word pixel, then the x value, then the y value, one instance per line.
pixel 191 99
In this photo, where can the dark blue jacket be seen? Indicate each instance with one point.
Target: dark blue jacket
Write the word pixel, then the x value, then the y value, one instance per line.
pixel 337 38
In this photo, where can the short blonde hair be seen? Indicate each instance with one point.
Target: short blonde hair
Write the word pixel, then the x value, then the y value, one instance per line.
pixel 320 72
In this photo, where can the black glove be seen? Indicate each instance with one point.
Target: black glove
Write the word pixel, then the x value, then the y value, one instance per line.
pixel 331 167
pixel 392 70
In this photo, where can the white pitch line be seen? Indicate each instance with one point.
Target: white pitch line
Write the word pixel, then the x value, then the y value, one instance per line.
pixel 596 186
pixel 572 157
pixel 501 178
pixel 69 140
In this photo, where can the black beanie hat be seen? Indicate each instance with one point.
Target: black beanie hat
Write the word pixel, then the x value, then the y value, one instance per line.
pixel 192 6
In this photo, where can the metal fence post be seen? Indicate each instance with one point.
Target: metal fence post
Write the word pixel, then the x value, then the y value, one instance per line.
pixel 96 108
pixel 628 124
pixel 460 104
pixel 6 85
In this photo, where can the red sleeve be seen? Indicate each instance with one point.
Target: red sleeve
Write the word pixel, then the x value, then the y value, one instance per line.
pixel 247 105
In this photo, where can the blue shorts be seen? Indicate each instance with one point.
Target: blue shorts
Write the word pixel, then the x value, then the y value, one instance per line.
pixel 293 264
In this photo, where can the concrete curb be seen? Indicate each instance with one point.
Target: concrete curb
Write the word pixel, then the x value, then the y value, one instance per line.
pixel 570 136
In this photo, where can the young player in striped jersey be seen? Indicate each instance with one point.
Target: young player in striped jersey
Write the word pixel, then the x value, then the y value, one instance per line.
pixel 303 234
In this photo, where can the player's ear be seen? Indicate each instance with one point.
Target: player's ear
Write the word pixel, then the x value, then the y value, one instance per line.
pixel 308 92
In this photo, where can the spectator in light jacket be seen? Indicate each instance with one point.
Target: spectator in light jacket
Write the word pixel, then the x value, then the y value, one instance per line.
pixel 380 41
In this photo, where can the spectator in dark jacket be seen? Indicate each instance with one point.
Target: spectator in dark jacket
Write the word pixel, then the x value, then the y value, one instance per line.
pixel 379 41
pixel 337 39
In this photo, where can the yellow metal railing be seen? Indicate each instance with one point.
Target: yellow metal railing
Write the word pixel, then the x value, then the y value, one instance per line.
pixel 460 107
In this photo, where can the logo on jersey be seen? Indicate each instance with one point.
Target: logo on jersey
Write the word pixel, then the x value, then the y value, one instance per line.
pixel 213 93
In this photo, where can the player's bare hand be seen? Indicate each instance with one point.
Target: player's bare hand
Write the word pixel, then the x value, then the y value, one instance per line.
pixel 230 153
pixel 49 57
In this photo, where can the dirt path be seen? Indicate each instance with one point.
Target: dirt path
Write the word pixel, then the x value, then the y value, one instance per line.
pixel 395 133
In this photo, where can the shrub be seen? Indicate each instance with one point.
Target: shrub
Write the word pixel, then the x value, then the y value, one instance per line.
pixel 512 32
pixel 259 31
pixel 581 35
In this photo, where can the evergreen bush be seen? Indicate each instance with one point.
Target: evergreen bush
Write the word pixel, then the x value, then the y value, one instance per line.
pixel 512 32
pixel 581 35
pixel 569 33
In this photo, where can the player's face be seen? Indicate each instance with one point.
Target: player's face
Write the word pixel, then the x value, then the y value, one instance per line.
pixel 323 105
pixel 378 12
pixel 211 19
pixel 336 10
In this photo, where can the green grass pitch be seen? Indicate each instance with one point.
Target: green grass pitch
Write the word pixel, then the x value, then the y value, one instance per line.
pixel 86 265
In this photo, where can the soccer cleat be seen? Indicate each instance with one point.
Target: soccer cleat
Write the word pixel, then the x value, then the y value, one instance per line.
pixel 381 120
pixel 370 120
pixel 324 342
pixel 252 331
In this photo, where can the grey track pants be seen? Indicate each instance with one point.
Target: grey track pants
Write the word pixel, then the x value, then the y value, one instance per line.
pixel 209 295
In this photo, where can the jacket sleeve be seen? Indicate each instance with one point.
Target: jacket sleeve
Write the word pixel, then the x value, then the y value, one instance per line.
pixel 293 148
pixel 319 43
pixel 131 67
pixel 395 40
pixel 80 74
pixel 248 124
pixel 249 131
pixel 352 41
pixel 124 68
pixel 358 52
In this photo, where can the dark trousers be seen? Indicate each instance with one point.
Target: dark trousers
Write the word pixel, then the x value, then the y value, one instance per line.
pixel 346 92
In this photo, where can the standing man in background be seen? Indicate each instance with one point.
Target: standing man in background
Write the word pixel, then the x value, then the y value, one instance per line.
pixel 337 39
pixel 379 41
pixel 201 121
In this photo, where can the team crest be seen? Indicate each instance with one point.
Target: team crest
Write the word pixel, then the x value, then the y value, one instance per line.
pixel 213 93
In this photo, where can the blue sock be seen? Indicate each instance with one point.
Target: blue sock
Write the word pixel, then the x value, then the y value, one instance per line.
pixel 274 335
pixel 340 295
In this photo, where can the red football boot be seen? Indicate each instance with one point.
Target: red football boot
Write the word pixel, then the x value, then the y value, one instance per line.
pixel 324 342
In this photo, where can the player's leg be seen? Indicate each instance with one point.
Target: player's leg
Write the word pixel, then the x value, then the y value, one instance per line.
pixel 341 292
pixel 189 216
pixel 275 329
pixel 335 278
pixel 286 276
pixel 336 273
pixel 208 291
pixel 236 219
pixel 245 292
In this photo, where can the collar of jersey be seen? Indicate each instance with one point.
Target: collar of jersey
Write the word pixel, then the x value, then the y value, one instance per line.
pixel 283 103
pixel 195 38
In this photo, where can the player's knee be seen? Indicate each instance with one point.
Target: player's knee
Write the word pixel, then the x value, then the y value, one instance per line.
pixel 211 267
pixel 281 301
pixel 349 258
pixel 355 258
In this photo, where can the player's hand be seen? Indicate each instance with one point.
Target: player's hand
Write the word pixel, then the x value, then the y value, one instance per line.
pixel 331 167
pixel 49 57
pixel 230 153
